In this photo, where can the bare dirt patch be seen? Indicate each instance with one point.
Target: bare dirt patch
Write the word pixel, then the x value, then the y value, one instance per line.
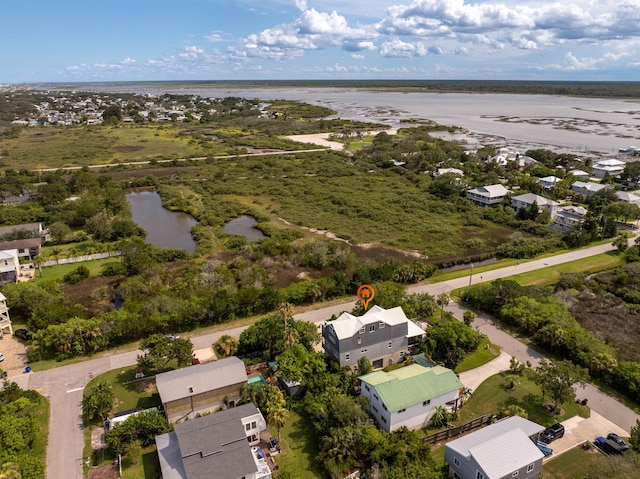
pixel 104 472
pixel 15 354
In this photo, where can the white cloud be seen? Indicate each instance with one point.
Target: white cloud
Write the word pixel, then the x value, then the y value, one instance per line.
pixel 300 4
pixel 357 56
pixel 396 48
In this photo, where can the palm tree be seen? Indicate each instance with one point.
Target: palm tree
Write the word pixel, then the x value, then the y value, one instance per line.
pixel 442 300
pixel 278 418
pixel 226 346
pixel 37 261
pixel 439 417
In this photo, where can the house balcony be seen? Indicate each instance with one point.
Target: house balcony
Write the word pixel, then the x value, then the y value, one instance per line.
pixel 264 471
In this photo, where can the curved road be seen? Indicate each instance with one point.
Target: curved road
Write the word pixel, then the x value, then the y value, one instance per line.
pixel 63 386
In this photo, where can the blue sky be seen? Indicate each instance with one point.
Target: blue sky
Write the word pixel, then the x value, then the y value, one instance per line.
pixel 117 40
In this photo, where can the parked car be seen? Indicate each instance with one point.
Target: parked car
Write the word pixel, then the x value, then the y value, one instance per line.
pixel 608 446
pixel 1 357
pixel 23 334
pixel 619 441
pixel 552 433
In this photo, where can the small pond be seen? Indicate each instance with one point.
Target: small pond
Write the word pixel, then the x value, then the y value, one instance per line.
pixel 243 225
pixel 165 229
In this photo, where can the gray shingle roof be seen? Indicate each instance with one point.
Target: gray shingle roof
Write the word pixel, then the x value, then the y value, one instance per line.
pixel 185 382
pixel 209 446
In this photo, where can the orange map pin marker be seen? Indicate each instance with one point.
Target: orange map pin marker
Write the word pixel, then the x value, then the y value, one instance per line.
pixel 365 294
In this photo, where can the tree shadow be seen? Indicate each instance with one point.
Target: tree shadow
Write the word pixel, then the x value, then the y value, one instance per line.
pixel 151 465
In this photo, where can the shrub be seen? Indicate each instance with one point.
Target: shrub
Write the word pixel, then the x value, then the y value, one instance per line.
pixel 113 269
pixel 77 275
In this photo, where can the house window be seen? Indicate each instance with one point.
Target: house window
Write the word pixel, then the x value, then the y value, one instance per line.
pixel 384 407
pixel 390 344
pixel 401 410
pixel 366 387
pixel 530 467
pixel 362 330
pixel 375 409
pixel 427 402
pixel 377 398
pixel 247 427
pixel 347 356
pixel 456 462
pixel 362 351
pixel 359 340
pixel 253 425
pixel 383 420
pixel 479 475
pixel 515 474
pixel 402 354
pixel 381 324
pixel 372 328
pixel 456 476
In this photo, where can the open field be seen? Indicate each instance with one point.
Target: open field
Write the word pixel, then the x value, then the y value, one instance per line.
pixel 572 464
pixel 299 449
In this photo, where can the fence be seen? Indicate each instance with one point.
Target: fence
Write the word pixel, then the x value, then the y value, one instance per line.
pixel 457 430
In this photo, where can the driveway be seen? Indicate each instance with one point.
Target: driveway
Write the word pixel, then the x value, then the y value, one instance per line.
pixel 473 378
pixel 578 430
pixel 15 354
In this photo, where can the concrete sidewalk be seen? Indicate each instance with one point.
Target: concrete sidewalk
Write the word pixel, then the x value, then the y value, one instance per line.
pixel 473 378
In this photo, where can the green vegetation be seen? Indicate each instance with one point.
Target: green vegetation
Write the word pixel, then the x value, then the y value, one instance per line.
pixel 485 353
pixel 24 428
pixel 128 392
pixel 494 396
pixel 574 463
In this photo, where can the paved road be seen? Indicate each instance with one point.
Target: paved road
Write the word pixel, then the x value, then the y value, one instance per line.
pixel 64 385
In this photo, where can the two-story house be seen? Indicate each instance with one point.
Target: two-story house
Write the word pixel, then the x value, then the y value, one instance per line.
pixel 568 217
pixel 220 445
pixel 201 388
pixel 588 188
pixel 9 266
pixel 489 195
pixel 549 181
pixel 528 199
pixel 384 336
pixel 408 396
pixel 609 167
pixel 504 450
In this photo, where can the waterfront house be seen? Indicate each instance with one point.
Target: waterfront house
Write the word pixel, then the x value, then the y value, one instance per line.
pixel 609 167
pixel 588 189
pixel 567 218
pixel 528 199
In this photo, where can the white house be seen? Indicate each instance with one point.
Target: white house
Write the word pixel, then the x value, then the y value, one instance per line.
pixel 580 175
pixel 9 266
pixel 488 195
pixel 549 181
pixel 568 217
pixel 612 167
pixel 453 171
pixel 526 201
pixel 504 450
pixel 409 395
pixel 5 320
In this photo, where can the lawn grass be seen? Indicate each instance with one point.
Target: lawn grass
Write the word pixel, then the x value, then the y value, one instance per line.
pixel 39 446
pixel 128 392
pixel 592 264
pixel 574 463
pixel 486 352
pixel 492 397
pixel 58 271
pixel 299 449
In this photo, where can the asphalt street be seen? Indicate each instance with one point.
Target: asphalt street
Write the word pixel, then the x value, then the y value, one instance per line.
pixel 63 386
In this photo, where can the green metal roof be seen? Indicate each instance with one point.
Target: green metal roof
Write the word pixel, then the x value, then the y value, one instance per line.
pixel 411 385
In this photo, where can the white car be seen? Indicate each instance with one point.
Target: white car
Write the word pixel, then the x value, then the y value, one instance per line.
pixel 1 357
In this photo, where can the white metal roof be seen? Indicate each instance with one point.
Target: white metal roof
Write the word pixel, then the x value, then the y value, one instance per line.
pixel 506 453
pixel 348 325
pixel 464 444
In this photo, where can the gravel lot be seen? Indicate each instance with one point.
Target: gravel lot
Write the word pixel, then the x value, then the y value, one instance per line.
pixel 15 354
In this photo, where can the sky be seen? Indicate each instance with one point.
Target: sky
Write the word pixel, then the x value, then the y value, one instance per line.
pixel 134 40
